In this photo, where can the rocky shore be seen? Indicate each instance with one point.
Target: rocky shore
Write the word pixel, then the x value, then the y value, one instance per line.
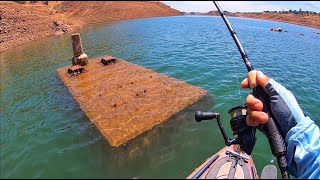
pixel 23 23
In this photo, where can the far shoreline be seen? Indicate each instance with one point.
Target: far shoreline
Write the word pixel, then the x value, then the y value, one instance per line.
pixel 294 23
pixel 302 18
pixel 61 18
pixel 117 21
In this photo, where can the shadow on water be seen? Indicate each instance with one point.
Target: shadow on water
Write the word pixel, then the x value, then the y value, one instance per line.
pixel 180 120
pixel 163 137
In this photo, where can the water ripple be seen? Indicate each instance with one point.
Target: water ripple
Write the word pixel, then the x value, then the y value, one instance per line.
pixel 44 133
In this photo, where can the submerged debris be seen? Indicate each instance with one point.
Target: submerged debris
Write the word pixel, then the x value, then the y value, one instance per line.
pixel 77 69
pixel 108 60
pixel 122 114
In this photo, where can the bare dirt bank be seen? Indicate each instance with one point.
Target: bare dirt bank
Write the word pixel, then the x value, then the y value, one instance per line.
pixel 299 19
pixel 23 23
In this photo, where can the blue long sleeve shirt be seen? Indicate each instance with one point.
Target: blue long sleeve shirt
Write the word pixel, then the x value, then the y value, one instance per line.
pixel 303 150
pixel 302 137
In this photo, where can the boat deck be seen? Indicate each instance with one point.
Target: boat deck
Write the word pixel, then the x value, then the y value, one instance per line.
pixel 124 100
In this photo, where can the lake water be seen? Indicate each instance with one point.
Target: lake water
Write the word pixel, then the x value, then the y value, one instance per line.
pixel 44 133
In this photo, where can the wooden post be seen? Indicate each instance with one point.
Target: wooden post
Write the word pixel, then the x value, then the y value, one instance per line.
pixel 79 58
pixel 76 44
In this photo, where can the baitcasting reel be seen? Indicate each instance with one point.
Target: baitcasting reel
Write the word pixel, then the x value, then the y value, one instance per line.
pixel 244 134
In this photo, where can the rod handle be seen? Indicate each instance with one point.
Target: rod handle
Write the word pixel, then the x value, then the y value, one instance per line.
pixel 270 129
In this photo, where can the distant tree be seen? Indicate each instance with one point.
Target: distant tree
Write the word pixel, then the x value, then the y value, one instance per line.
pixel 290 11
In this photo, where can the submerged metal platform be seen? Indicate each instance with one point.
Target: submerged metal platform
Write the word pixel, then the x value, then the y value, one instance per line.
pixel 124 100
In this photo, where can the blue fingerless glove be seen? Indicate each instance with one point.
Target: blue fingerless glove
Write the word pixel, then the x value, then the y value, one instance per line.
pixel 300 133
pixel 284 107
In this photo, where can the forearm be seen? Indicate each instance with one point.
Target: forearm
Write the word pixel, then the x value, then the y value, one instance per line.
pixel 303 150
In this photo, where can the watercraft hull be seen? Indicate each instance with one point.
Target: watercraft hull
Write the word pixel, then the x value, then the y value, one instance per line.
pixel 228 163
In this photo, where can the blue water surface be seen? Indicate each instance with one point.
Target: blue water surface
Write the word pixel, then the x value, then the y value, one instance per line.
pixel 45 134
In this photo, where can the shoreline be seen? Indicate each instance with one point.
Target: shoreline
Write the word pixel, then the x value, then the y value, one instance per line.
pixel 294 23
pixel 289 22
pixel 25 23
pixel 315 22
pixel 308 20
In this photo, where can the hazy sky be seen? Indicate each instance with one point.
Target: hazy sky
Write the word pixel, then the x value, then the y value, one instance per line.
pixel 244 6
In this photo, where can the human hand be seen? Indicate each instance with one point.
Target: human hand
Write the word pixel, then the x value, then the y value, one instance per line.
pixel 284 107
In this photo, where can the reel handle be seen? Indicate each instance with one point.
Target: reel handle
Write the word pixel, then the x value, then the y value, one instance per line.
pixel 199 116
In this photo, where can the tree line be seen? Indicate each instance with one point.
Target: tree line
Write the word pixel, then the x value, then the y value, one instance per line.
pixel 295 12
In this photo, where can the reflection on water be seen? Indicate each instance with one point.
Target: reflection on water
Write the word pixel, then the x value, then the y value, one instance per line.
pixel 163 139
pixel 44 133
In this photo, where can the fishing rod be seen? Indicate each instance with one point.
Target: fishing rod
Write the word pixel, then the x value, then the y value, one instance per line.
pixel 270 129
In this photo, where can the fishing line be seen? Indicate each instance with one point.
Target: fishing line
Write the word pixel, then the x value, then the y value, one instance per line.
pixel 232 59
pixel 270 129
